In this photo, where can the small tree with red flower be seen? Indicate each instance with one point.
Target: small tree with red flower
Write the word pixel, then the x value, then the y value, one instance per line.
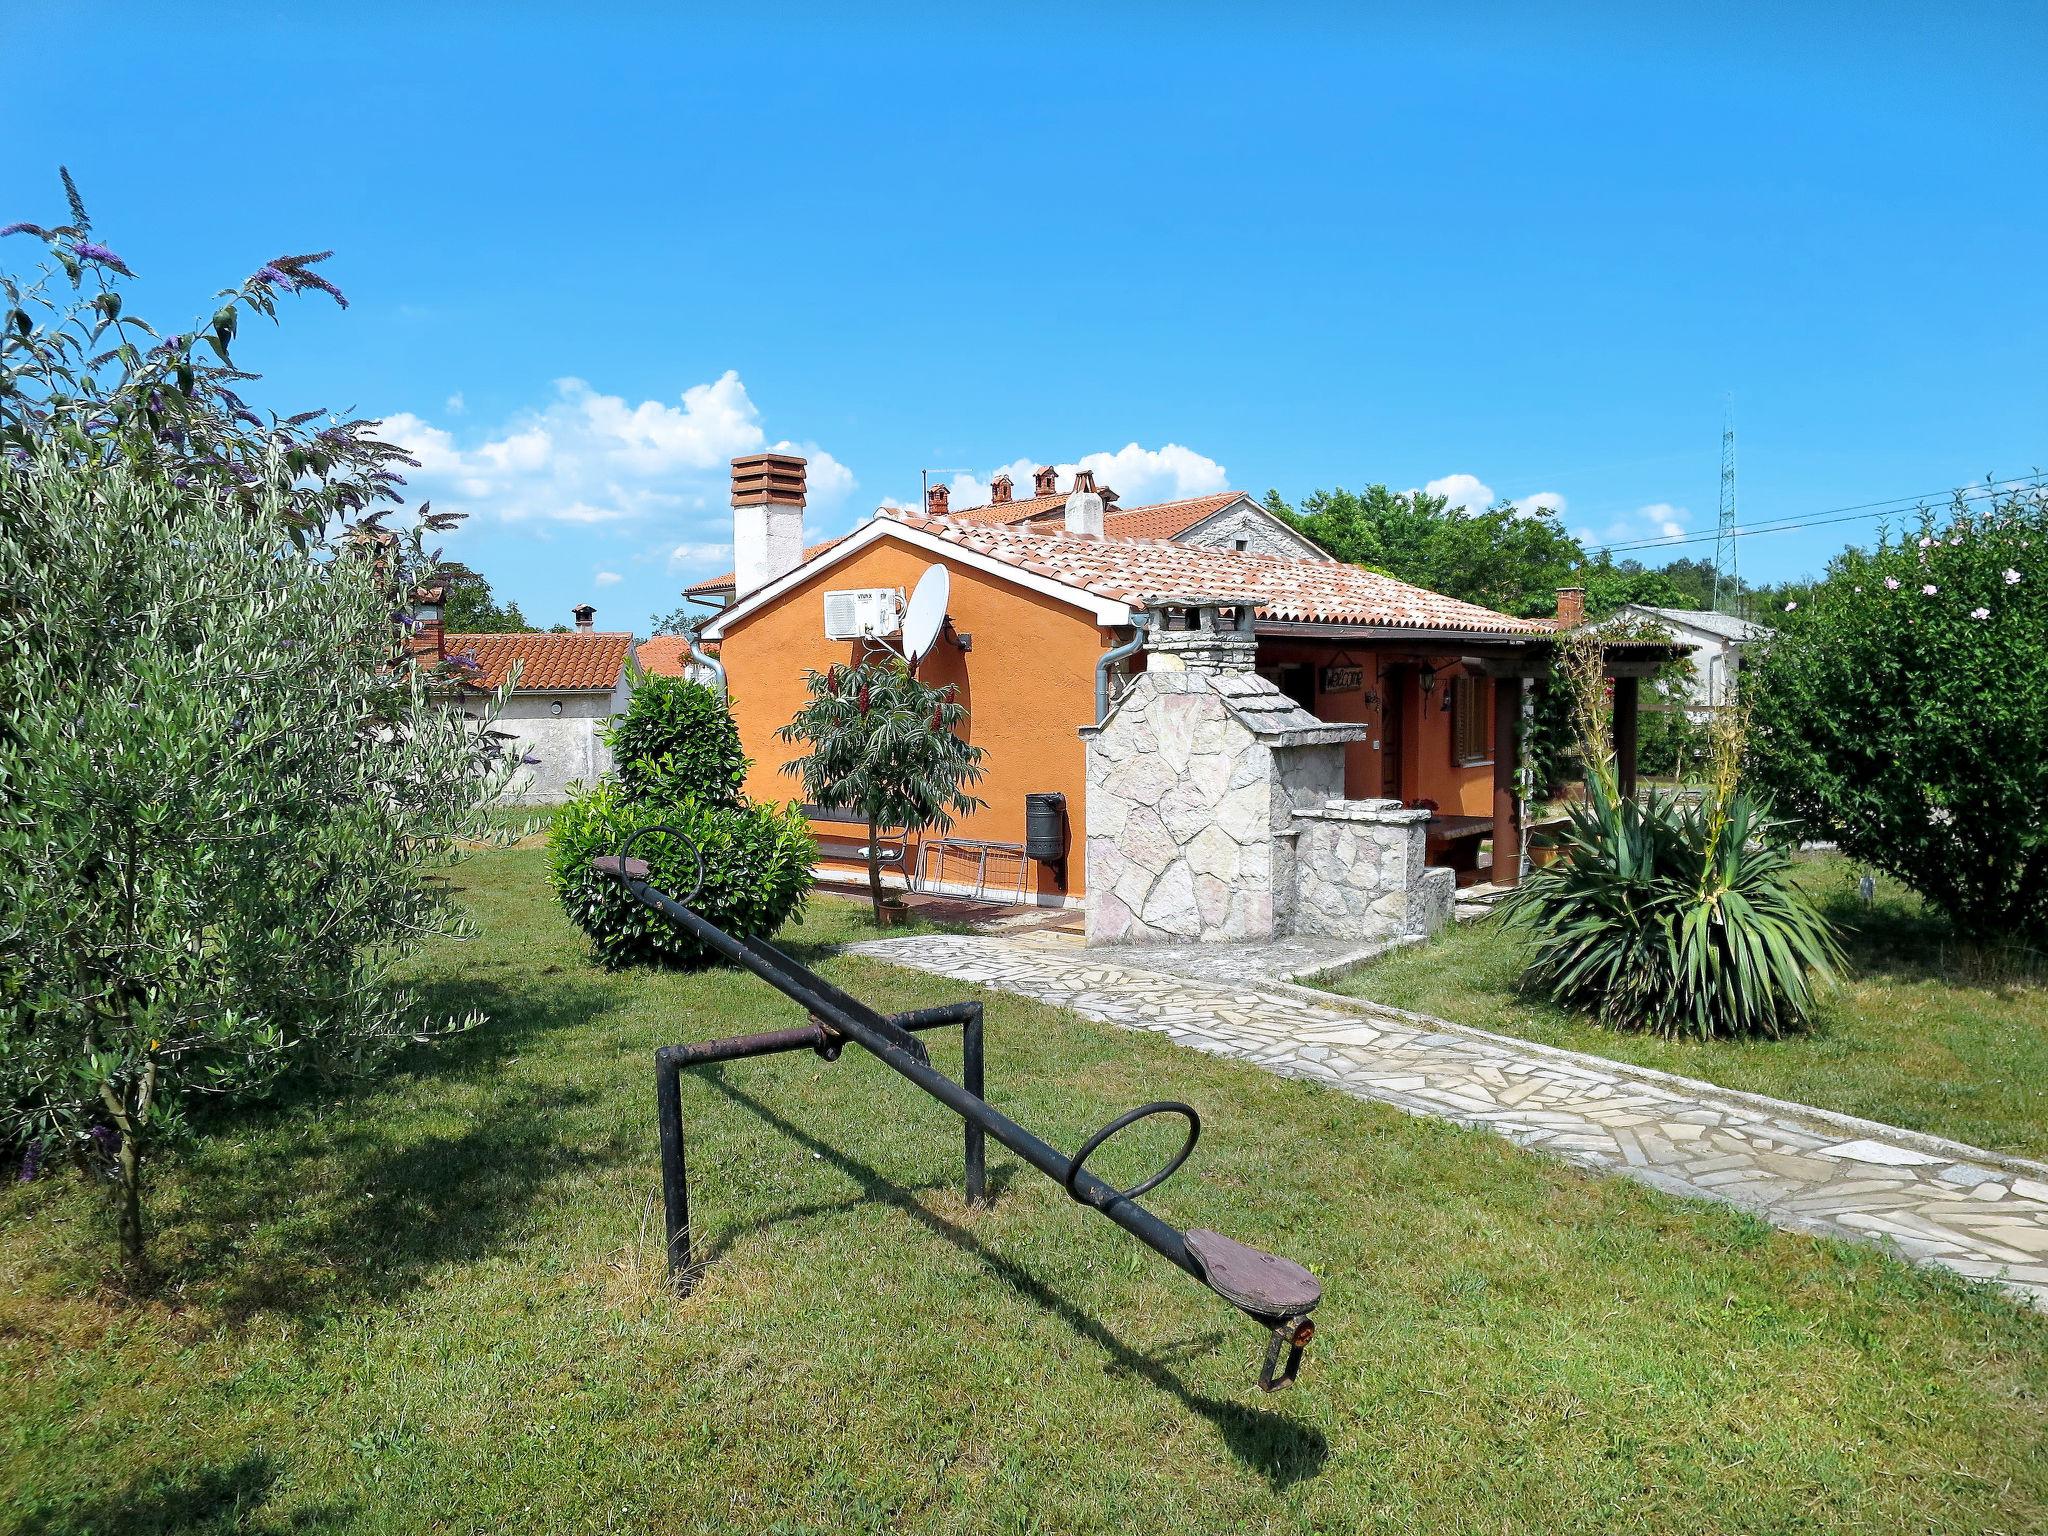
pixel 886 746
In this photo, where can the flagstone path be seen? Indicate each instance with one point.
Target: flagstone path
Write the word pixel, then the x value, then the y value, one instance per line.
pixel 1933 1201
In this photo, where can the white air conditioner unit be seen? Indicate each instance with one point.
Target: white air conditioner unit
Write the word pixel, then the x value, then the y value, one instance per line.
pixel 863 612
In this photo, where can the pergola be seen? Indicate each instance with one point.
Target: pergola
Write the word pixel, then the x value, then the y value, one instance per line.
pixel 1504 659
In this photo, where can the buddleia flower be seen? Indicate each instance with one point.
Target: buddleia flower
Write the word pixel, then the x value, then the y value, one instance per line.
pixel 85 250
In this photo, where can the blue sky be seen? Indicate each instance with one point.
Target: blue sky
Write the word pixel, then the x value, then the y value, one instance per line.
pixel 590 259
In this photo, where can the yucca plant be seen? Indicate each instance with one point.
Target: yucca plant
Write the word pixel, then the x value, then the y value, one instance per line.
pixel 1678 918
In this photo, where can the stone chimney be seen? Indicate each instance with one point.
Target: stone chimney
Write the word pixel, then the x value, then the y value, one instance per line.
pixel 767 519
pixel 1045 481
pixel 1084 507
pixel 936 500
pixel 586 615
pixel 1201 634
pixel 999 491
pixel 1571 607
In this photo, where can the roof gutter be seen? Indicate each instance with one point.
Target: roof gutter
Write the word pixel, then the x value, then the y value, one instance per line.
pixel 1140 622
pixel 1314 630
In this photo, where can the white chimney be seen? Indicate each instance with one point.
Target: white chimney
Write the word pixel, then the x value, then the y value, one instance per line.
pixel 767 519
pixel 1084 512
pixel 585 614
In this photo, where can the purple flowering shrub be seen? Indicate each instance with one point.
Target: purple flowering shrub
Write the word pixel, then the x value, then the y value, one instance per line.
pixel 1902 711
pixel 82 374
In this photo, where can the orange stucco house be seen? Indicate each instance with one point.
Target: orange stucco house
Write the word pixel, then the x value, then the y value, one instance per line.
pixel 1047 599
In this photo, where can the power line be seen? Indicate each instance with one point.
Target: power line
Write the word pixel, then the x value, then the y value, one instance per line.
pixel 1855 514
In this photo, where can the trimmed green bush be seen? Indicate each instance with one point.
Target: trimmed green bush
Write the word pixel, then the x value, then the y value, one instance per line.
pixel 757 872
pixel 677 741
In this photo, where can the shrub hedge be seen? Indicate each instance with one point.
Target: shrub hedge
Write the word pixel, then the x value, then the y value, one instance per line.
pixel 757 872
pixel 677 741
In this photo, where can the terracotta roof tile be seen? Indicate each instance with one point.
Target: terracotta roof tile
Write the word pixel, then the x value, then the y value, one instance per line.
pixel 1285 588
pixel 1022 510
pixel 1165 520
pixel 576 663
pixel 665 655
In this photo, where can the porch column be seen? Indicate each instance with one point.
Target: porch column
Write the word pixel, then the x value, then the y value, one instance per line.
pixel 1625 713
pixel 1507 752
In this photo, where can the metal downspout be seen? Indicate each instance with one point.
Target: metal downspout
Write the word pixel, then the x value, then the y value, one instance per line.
pixel 699 655
pixel 1140 622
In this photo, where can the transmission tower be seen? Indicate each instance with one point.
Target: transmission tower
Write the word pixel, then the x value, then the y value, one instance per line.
pixel 1727 583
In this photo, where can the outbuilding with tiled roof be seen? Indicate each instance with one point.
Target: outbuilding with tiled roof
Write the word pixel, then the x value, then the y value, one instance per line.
pixel 564 689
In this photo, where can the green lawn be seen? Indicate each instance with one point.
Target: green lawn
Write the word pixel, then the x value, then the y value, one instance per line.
pixel 1927 1034
pixel 433 1303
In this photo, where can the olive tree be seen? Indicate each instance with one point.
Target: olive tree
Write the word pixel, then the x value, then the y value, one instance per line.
pixel 221 773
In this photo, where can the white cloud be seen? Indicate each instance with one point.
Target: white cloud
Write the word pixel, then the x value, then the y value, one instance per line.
pixel 1466 491
pixel 1657 520
pixel 454 403
pixel 1469 493
pixel 1141 475
pixel 588 458
pixel 607 578
pixel 709 556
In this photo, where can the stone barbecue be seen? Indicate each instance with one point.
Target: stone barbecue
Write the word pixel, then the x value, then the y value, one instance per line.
pixel 1215 806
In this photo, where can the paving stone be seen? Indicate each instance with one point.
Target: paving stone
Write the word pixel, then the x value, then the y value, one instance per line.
pixel 1959 1210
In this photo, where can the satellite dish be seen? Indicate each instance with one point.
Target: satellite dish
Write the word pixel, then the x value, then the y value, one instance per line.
pixel 926 615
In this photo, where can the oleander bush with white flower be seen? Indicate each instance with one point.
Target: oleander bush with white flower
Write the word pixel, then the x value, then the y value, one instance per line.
pixel 1901 711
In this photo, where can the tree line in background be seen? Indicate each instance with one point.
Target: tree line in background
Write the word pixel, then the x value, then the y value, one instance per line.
pixel 1507 558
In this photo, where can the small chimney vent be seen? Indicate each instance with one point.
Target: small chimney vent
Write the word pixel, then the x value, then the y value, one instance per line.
pixel 1045 481
pixel 1084 480
pixel 586 615
pixel 935 501
pixel 999 491
pixel 1084 512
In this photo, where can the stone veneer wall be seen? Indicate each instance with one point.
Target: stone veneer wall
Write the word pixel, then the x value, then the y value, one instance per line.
pixel 1189 815
pixel 1360 871
pixel 1215 812
pixel 1262 532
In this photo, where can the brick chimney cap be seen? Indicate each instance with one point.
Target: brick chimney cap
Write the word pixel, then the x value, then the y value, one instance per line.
pixel 761 478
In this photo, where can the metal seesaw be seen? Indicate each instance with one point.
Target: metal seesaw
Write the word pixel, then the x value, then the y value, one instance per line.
pixel 1278 1293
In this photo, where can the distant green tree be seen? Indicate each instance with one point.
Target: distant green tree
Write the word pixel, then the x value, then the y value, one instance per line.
pixel 1504 558
pixel 470 609
pixel 677 621
pixel 1610 586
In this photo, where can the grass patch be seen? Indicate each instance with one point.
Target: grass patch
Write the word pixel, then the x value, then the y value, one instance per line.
pixel 1929 1034
pixel 433 1303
